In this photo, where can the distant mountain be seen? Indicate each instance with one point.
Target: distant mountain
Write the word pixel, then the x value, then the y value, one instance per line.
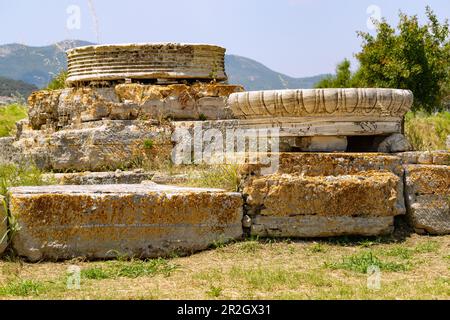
pixel 12 88
pixel 38 65
pixel 35 65
pixel 256 76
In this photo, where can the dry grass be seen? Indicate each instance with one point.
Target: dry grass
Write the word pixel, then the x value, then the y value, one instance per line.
pixel 253 269
pixel 427 132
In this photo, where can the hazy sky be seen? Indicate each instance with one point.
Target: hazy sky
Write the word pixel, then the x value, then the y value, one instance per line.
pixel 296 37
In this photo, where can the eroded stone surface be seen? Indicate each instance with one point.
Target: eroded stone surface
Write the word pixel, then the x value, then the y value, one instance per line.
pixel 436 157
pixel 146 61
pixel 8 153
pixel 97 146
pixel 93 178
pixel 60 108
pixel 3 226
pixel 324 194
pixel 427 190
pixel 320 226
pixel 62 222
pixel 328 164
pixel 348 195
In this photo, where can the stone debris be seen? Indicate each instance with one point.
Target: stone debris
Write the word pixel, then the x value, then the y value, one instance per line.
pixel 427 190
pixel 394 143
pixel 105 221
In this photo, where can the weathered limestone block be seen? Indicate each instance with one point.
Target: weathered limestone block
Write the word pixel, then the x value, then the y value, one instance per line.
pixel 3 225
pixel 437 157
pixel 328 164
pixel 61 108
pixel 396 142
pixel 319 226
pixel 146 61
pixel 97 146
pixel 94 178
pixel 43 107
pixel 63 222
pixel 367 194
pixel 8 152
pixel 324 194
pixel 427 190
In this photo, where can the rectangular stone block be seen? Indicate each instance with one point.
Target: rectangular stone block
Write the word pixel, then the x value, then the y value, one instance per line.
pixel 367 194
pixel 316 226
pixel 427 191
pixel 330 164
pixel 3 225
pixel 63 222
pixel 295 205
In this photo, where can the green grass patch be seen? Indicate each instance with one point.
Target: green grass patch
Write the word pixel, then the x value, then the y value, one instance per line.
pixel 214 292
pixel 317 248
pixel 25 174
pixel 361 261
pixel 9 115
pixel 130 269
pixel 22 288
pixel 225 176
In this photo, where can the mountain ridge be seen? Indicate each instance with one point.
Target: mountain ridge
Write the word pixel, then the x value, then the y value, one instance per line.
pixel 37 65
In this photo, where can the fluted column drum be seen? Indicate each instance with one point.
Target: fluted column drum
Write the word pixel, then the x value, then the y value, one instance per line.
pixel 170 61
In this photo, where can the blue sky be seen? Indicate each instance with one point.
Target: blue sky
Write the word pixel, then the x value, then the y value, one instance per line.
pixel 296 37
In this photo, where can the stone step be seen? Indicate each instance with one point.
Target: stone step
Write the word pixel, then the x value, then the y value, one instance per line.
pixel 323 164
pixel 294 205
pixel 104 221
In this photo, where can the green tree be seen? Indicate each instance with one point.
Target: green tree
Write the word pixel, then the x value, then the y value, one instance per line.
pixel 411 56
pixel 416 57
pixel 344 78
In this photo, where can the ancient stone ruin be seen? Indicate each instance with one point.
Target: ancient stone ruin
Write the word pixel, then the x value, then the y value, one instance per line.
pixel 339 164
